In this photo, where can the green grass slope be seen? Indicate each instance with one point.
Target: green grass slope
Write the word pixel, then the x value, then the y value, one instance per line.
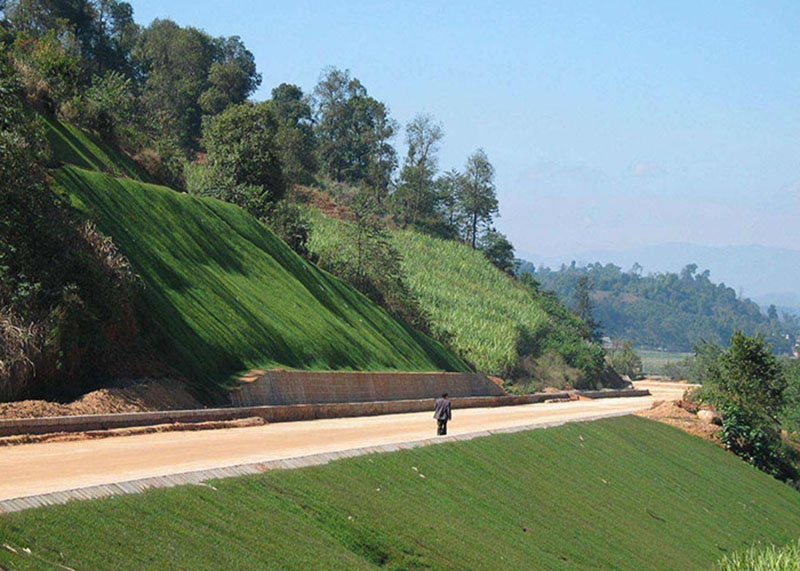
pixel 73 146
pixel 624 493
pixel 223 294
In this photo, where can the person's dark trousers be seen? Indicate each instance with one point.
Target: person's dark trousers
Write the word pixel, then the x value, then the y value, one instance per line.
pixel 441 427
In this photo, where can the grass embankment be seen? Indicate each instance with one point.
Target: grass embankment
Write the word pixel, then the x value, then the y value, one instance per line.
pixel 73 146
pixel 622 493
pixel 223 294
pixel 485 316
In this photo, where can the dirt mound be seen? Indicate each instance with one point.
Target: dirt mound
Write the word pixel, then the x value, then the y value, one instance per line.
pixel 139 396
pixel 683 415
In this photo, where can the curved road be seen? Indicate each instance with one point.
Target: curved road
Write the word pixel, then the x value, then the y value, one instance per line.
pixel 35 469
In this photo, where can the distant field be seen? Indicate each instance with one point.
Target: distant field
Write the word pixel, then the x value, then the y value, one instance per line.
pixel 623 493
pixel 655 362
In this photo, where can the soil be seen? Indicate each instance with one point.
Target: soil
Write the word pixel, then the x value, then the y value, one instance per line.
pixel 683 415
pixel 134 396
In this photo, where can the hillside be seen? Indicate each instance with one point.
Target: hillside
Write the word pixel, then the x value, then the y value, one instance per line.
pixel 622 493
pixel 222 294
pixel 489 319
pixel 667 311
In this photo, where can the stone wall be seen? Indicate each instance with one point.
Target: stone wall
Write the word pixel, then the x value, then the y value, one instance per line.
pixel 318 387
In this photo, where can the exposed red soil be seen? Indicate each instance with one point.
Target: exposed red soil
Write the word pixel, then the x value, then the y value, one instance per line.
pixel 683 415
pixel 141 396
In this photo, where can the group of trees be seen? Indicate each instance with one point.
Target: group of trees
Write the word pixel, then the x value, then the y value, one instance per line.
pixel 177 99
pixel 664 310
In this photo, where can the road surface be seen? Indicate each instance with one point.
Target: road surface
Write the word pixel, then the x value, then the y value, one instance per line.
pixel 35 469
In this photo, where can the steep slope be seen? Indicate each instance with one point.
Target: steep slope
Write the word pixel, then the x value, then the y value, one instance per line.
pixel 222 294
pixel 622 493
pixel 489 319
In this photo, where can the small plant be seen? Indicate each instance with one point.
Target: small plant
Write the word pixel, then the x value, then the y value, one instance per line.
pixel 761 558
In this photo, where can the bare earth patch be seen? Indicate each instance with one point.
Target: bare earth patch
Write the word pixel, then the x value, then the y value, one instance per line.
pixel 140 396
pixel 683 415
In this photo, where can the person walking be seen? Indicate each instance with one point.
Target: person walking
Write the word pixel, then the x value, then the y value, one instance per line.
pixel 442 412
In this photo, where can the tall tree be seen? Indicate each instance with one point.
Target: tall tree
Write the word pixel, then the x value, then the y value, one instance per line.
pixel 188 73
pixel 415 197
pixel 295 137
pixel 354 132
pixel 477 200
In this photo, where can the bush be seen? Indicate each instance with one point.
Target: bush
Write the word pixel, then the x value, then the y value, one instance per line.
pixel 746 383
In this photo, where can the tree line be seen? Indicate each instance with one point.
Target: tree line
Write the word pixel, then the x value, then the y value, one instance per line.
pixel 177 99
pixel 671 311
pixel 179 102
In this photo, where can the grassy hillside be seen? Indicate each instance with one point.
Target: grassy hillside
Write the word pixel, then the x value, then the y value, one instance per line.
pixel 622 493
pixel 223 294
pixel 488 318
pixel 74 146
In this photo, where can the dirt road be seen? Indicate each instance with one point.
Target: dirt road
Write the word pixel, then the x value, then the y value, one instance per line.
pixel 34 469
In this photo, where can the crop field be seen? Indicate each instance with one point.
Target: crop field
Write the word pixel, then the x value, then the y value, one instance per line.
pixel 222 294
pixel 623 493
pixel 482 314
pixel 656 362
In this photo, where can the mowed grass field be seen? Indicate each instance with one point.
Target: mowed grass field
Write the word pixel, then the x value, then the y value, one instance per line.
pixel 223 294
pixel 623 493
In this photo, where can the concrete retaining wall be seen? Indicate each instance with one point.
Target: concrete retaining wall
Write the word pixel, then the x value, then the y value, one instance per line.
pixel 285 413
pixel 317 387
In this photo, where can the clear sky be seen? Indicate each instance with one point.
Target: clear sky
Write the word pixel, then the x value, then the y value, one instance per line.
pixel 610 124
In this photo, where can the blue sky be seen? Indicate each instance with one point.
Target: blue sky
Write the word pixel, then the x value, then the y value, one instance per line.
pixel 610 124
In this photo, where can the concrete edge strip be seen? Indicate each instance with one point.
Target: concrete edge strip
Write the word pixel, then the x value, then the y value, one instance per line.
pixel 202 477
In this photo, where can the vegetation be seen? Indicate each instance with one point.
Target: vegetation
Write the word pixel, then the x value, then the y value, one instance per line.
pixel 497 324
pixel 676 366
pixel 663 500
pixel 667 311
pixel 166 104
pixel 760 558
pixel 747 385
pixel 205 304
pixel 625 360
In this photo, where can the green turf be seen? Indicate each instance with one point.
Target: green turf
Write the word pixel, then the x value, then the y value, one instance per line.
pixel 624 493
pixel 73 146
pixel 224 295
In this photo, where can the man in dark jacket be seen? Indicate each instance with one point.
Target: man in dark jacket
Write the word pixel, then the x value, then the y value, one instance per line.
pixel 442 413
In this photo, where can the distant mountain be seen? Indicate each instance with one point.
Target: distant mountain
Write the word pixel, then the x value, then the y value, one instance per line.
pixel 756 272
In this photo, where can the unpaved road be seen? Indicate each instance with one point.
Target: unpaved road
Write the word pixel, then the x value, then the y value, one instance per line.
pixel 34 469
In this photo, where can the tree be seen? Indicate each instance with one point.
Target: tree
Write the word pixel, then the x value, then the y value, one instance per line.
pixel 188 73
pixel 498 250
pixel 243 158
pixel 353 132
pixel 584 307
pixel 295 137
pixel 624 359
pixel 415 197
pixel 476 199
pixel 747 384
